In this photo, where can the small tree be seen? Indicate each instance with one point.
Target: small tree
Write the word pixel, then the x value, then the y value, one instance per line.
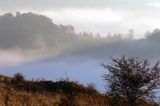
pixel 18 77
pixel 131 79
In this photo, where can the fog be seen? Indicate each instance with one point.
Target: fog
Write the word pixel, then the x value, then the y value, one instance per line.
pixel 34 45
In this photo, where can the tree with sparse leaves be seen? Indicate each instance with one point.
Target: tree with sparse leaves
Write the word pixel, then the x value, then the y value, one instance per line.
pixel 131 79
pixel 18 77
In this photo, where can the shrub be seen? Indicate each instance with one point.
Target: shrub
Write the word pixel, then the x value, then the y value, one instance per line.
pixel 18 77
pixel 132 80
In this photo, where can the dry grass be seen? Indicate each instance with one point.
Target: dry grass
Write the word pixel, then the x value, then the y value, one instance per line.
pixel 69 94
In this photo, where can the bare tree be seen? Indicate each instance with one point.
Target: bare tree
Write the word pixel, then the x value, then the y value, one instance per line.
pixel 131 79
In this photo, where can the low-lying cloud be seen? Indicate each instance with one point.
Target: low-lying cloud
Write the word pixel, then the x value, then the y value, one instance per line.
pixel 28 36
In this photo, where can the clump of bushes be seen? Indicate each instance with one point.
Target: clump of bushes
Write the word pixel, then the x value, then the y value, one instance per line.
pixel 18 82
pixel 18 77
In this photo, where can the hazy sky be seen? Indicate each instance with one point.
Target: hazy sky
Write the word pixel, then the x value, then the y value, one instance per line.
pixel 42 48
pixel 94 15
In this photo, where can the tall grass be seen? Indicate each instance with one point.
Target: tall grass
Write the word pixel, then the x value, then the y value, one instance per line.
pixel 17 92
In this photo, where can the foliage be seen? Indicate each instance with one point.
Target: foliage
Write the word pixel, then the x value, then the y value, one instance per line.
pixel 18 77
pixel 131 79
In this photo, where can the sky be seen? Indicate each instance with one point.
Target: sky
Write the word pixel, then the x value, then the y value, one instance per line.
pixel 105 16
pixel 53 39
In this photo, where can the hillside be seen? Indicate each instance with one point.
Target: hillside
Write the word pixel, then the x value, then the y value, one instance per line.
pixel 16 91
